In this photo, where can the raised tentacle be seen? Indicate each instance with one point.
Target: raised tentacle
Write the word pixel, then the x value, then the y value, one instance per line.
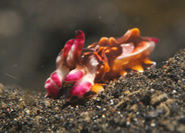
pixel 74 53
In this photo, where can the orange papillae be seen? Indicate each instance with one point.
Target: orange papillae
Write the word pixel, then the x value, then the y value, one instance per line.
pixel 121 62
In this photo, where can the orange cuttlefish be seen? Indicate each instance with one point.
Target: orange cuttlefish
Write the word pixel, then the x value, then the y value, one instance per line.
pixel 87 68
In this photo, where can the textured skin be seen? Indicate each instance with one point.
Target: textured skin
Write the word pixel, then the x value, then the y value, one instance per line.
pixel 101 61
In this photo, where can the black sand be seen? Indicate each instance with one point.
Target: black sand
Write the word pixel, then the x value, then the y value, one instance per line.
pixel 153 101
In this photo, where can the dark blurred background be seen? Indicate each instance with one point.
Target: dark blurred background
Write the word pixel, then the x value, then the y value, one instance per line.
pixel 32 32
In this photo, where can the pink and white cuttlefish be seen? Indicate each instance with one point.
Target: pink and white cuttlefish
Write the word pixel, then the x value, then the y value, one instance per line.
pixel 87 68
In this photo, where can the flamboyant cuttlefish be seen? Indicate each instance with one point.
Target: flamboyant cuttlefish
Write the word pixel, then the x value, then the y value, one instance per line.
pixel 108 59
